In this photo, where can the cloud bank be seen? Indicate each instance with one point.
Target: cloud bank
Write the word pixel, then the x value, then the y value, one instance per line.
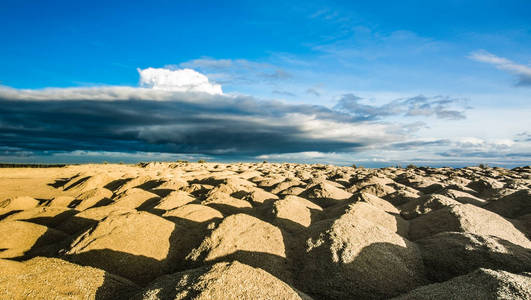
pixel 177 113
pixel 149 120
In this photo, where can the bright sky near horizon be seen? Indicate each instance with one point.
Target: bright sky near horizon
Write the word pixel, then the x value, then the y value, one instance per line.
pixel 369 82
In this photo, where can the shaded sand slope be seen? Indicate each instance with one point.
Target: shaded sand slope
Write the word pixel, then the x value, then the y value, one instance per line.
pixel 52 278
pixel 264 231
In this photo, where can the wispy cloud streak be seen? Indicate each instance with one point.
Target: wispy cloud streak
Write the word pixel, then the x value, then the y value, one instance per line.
pixel 523 72
pixel 439 106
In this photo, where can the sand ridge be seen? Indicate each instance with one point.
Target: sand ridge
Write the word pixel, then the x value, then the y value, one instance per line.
pixel 264 231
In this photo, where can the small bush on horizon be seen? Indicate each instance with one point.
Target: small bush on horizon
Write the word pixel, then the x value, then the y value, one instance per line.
pixel 411 166
pixel 182 161
pixel 354 166
pixel 201 161
pixel 483 166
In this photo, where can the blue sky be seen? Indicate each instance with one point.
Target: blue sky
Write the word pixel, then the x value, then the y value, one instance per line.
pixel 379 83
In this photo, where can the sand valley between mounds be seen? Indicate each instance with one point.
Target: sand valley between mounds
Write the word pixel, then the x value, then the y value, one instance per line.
pixel 264 231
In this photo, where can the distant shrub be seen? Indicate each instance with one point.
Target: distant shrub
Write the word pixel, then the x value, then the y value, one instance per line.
pixel 201 161
pixel 483 166
pixel 354 166
pixel 411 166
pixel 264 162
pixel 182 161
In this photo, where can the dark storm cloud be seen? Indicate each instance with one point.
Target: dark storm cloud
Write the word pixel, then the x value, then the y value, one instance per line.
pixel 440 107
pixel 221 125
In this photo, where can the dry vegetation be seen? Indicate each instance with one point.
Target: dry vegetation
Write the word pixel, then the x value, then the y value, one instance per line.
pixel 264 231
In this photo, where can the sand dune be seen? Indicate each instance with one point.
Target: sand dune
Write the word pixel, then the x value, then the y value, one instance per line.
pixel 264 231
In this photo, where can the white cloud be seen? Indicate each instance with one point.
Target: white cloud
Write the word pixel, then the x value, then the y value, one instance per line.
pixel 179 80
pixel 361 132
pixel 470 141
pixel 156 85
pixel 101 93
pixel 522 71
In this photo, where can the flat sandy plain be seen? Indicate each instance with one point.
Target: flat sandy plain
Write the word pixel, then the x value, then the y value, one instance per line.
pixel 264 231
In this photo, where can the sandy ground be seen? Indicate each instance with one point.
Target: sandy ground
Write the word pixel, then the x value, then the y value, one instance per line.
pixel 29 181
pixel 264 231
